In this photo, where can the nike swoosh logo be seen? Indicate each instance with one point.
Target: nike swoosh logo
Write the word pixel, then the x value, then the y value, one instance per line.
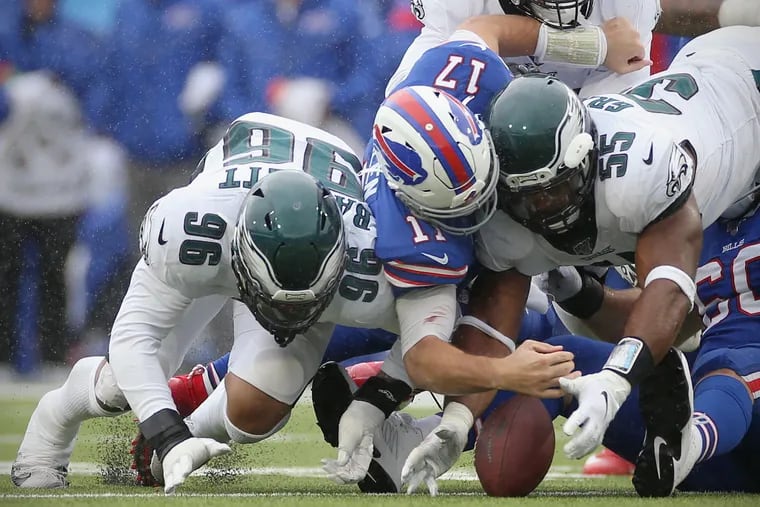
pixel 658 443
pixel 440 260
pixel 161 240
pixel 650 158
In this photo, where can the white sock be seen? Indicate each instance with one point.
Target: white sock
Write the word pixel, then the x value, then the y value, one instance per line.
pixel 53 427
pixel 208 419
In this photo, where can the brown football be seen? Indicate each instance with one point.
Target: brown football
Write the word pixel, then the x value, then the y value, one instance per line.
pixel 515 447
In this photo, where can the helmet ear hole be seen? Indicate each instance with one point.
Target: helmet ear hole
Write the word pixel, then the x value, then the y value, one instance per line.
pixel 577 149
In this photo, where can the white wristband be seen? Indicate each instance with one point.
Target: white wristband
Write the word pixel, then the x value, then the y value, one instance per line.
pixel 583 47
pixel 482 326
pixel 458 416
pixel 677 276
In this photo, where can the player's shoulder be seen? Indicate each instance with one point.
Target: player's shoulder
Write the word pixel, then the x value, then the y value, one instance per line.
pixel 414 252
pixel 503 244
pixel 641 172
pixel 185 239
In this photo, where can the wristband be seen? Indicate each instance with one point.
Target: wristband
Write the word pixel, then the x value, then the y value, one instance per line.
pixel 631 359
pixel 583 46
pixel 588 300
pixel 384 393
pixel 164 430
pixel 458 416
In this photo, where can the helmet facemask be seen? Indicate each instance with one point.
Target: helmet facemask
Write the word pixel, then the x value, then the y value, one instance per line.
pixel 552 200
pixel 283 306
pixel 560 14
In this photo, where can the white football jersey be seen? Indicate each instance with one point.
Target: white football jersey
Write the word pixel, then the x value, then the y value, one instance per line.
pixel 707 103
pixel 442 17
pixel 186 235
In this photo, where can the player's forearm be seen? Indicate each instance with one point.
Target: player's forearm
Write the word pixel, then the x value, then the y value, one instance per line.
pixel 609 321
pixel 148 312
pixel 437 366
pixel 507 35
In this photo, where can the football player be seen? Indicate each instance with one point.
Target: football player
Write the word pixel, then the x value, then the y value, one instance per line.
pixel 577 57
pixel 618 178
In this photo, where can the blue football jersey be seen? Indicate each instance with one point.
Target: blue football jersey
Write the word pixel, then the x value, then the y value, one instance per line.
pixel 730 265
pixel 467 69
pixel 415 253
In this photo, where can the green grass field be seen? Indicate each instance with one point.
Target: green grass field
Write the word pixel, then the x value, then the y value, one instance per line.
pixel 285 471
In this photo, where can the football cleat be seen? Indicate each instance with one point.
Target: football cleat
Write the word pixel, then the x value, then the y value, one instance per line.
pixel 361 372
pixel 672 443
pixel 188 392
pixel 607 462
pixel 38 475
pixel 393 443
pixel 331 391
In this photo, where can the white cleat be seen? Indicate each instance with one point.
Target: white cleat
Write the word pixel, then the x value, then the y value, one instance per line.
pixel 38 475
pixel 393 442
pixel 43 457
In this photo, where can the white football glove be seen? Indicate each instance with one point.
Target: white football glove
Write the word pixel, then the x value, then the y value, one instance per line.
pixel 355 434
pixel 438 452
pixel 600 396
pixel 187 457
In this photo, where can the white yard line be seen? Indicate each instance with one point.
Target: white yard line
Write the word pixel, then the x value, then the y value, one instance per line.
pixel 85 468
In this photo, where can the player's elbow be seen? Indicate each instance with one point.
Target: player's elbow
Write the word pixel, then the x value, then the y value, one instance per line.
pixel 421 365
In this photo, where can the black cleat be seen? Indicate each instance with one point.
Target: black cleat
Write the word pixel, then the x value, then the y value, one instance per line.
pixel 331 392
pixel 671 445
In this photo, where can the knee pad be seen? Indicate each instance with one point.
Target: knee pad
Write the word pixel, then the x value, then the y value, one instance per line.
pixel 108 395
pixel 242 437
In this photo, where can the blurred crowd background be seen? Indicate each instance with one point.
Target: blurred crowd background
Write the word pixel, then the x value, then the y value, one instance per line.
pixel 105 105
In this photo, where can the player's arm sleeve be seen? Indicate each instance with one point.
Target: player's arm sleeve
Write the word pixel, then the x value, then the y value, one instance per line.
pixel 149 311
pixel 655 192
pixel 426 312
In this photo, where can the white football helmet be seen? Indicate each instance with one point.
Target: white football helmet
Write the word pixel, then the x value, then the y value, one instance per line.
pixel 556 13
pixel 438 157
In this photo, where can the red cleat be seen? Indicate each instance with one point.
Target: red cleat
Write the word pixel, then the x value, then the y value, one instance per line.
pixel 188 392
pixel 607 462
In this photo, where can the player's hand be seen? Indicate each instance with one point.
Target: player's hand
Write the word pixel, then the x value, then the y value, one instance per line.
pixel 534 369
pixel 438 452
pixel 561 283
pixel 600 396
pixel 187 457
pixel 625 52
pixel 355 433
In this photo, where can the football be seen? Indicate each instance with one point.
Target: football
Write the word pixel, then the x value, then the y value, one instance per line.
pixel 515 447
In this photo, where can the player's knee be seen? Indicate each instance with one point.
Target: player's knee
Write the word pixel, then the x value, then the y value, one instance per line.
pixel 241 436
pixel 108 395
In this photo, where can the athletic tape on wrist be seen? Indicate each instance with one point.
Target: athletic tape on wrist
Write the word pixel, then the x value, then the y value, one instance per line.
pixel 164 430
pixel 384 393
pixel 631 359
pixel 584 46
pixel 677 276
pixel 482 326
